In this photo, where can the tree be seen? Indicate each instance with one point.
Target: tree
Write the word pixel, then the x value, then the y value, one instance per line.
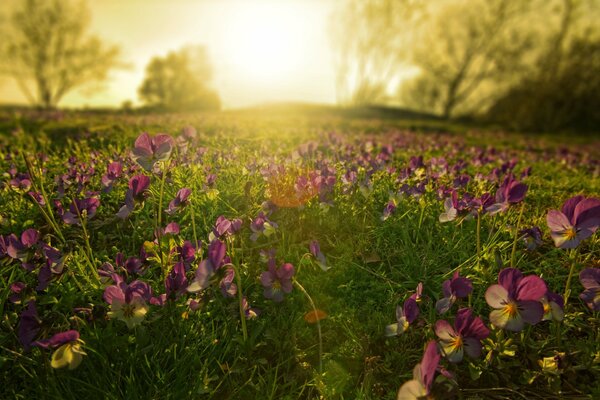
pixel 469 53
pixel 48 52
pixel 370 39
pixel 180 81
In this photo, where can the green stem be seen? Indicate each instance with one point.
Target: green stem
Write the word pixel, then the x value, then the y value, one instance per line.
pixel 88 248
pixel 48 214
pixel 159 221
pixel 478 238
pixel 238 280
pixel 312 304
pixel 193 215
pixel 573 259
pixel 516 239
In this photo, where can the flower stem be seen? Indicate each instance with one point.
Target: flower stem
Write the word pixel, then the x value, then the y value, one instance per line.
pixel 573 259
pixel 312 304
pixel 159 221
pixel 193 216
pixel 238 280
pixel 516 239
pixel 48 214
pixel 478 238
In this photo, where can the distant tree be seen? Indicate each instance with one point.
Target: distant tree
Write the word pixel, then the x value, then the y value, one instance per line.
pixel 467 54
pixel 47 51
pixel 370 39
pixel 180 81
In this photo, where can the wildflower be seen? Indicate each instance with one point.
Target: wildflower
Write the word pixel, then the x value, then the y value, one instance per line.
pixel 29 325
pixel 225 227
pixel 68 353
pixel 423 375
pixel 510 192
pixel 577 221
pixel 455 288
pixel 137 192
pixel 181 200
pixel 532 237
pixel 114 170
pixel 389 209
pixel 516 300
pixel 228 288
pixel 84 208
pixel 277 281
pixel 590 280
pixel 405 316
pixel 176 282
pixel 147 151
pixel 250 312
pixel 315 250
pixel 553 306
pixel 465 337
pixel 418 294
pixel 206 268
pixel 128 302
pixel 261 225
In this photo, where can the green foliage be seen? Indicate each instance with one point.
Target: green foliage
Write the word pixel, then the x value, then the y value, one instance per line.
pixel 180 81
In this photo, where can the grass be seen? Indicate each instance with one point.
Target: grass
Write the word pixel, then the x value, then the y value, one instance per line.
pixel 375 264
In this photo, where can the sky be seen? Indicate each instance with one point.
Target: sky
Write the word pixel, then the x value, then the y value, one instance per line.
pixel 262 50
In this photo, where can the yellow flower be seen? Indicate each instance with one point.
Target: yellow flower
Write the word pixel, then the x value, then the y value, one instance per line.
pixel 68 355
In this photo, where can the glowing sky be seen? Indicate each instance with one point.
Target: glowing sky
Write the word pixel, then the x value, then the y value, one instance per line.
pixel 261 50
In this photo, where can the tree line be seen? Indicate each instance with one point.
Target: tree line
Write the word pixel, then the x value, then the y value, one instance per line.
pixel 49 53
pixel 526 64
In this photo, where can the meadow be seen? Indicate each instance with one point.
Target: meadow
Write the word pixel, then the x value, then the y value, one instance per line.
pixel 236 256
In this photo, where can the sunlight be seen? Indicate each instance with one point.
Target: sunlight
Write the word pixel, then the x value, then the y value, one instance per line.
pixel 264 42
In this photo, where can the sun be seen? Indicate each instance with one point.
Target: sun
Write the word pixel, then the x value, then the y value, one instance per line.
pixel 264 41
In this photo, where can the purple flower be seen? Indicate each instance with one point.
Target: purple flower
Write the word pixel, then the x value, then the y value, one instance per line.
pixel 147 150
pixel 578 221
pixel 113 172
pixel 206 269
pixel 250 312
pixel 405 316
pixel 277 281
pixel 137 192
pixel 315 250
pixel 180 200
pixel 456 288
pixel 532 237
pixel 228 288
pixel 223 227
pixel 29 325
pixel 516 300
pixel 388 210
pixel 84 208
pixel 423 375
pixel 176 282
pixel 590 280
pixel 510 192
pixel 261 225
pixel 465 337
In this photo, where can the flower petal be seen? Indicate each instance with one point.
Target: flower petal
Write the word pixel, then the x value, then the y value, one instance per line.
pixel 531 287
pixel 411 390
pixel 472 347
pixel 496 296
pixel 445 331
pixel 531 311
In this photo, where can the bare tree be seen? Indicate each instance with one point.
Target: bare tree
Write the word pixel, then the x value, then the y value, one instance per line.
pixel 48 52
pixel 370 39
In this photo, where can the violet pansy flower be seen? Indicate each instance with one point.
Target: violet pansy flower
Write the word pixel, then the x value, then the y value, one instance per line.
pixel 578 219
pixel 516 300
pixel 149 150
pixel 423 375
pixel 590 280
pixel 405 315
pixel 277 281
pixel 456 288
pixel 464 337
pixel 68 351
